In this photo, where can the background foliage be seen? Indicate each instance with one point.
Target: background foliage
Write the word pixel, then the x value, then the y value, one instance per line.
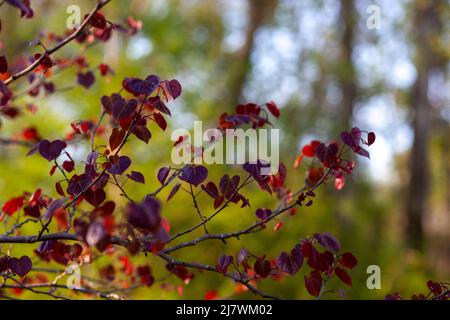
pixel 327 71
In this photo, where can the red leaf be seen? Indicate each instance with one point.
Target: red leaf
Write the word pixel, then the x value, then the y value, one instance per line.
pixel 59 189
pixel 371 138
pixel 3 64
pixel 313 283
pixel 211 189
pixel 160 121
pixel 13 205
pixel 262 267
pixel 343 275
pixel 308 151
pixel 218 201
pixel 98 20
pixel 273 108
pixel 211 295
pixel 116 138
pixel 348 260
pixel 362 152
pixel 142 133
pixel 68 165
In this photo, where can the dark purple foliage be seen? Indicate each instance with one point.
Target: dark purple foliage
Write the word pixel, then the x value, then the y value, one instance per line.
pixel 194 174
pixel 51 150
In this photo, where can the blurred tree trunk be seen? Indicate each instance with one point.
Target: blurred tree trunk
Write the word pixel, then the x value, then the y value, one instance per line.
pixel 427 26
pixel 260 12
pixel 346 72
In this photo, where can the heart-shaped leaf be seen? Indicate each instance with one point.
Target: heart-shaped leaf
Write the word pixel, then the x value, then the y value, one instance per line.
pixel 51 150
pixel 262 267
pixel 194 174
pixel 95 198
pixel 20 266
pixel 86 79
pixel 290 263
pixel 119 165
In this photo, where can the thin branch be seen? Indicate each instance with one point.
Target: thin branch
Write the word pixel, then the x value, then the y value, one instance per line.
pixel 223 236
pixel 212 215
pixel 194 199
pixel 54 236
pixel 94 131
pixel 230 275
pixel 61 44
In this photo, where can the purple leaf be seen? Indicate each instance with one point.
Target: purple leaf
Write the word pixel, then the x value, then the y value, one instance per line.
pixel 352 138
pixel 136 176
pixel 95 197
pixel 91 159
pixel 5 93
pixel 55 205
pixel 137 86
pixel 328 241
pixel 223 263
pixel 86 79
pixel 194 174
pixel 20 266
pixel 51 150
pixel 242 255
pixel 325 153
pixel 4 263
pixel 122 109
pixel 120 165
pixel 174 191
pixel 263 213
pixel 78 183
pixel 162 174
pixel 145 215
pixel 290 263
pixel 25 9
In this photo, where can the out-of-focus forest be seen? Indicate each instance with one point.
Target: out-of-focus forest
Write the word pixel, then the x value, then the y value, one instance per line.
pixel 327 71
